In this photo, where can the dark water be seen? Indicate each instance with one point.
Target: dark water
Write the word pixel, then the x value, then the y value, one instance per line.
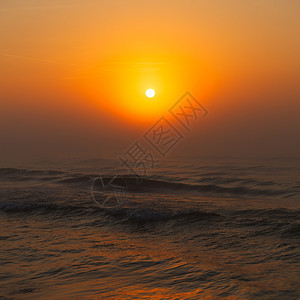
pixel 202 229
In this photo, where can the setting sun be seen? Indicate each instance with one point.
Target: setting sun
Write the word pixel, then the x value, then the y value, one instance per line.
pixel 150 93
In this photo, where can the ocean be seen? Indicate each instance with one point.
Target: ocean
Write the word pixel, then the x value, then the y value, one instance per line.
pixel 197 228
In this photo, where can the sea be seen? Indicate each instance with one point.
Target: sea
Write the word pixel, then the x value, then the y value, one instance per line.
pixel 196 228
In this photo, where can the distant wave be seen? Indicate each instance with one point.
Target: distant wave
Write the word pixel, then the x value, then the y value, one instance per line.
pixel 16 172
pixel 151 185
pixel 13 174
pixel 148 184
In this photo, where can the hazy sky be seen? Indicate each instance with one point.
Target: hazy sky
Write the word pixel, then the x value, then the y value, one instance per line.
pixel 74 75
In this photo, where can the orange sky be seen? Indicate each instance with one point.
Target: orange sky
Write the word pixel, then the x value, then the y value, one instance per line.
pixel 74 74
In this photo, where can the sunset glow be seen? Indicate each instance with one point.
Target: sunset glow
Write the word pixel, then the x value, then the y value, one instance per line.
pixel 96 61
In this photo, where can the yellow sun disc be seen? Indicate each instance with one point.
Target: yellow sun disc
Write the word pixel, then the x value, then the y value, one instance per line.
pixel 150 93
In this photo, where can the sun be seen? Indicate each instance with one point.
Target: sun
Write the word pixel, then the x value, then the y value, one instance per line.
pixel 150 93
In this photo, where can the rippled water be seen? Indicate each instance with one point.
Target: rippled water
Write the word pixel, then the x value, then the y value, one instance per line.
pixel 198 229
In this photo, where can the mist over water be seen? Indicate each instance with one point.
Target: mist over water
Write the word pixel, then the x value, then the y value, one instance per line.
pixel 192 229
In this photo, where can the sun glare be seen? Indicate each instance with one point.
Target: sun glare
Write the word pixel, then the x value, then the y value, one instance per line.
pixel 150 93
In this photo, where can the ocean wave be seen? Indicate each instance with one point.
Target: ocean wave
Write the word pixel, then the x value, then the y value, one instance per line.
pixel 148 214
pixel 153 184
pixel 16 206
pixel 140 214
pixel 292 231
pixel 13 174
pixel 260 222
pixel 16 172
